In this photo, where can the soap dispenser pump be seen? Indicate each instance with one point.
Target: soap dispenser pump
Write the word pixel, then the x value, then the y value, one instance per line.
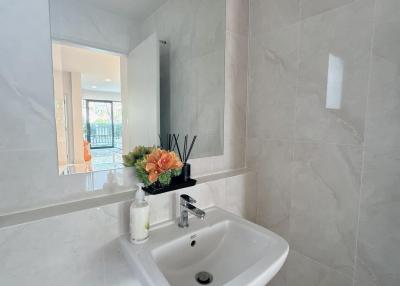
pixel 139 217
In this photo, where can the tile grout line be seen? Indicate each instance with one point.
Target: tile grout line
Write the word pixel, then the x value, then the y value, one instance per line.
pixel 362 177
pixel 300 141
pixel 292 141
pixel 330 10
pixel 328 267
pixel 247 110
pixel 249 37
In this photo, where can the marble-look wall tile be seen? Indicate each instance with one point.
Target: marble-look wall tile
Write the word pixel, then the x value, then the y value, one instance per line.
pixel 195 32
pixel 234 113
pixel 311 8
pixel 387 25
pixel 333 84
pixel 303 271
pixel 209 26
pixel 300 270
pixel 273 162
pixel 235 148
pixel 324 205
pixel 27 104
pixel 268 15
pixel 72 253
pixel 82 23
pixel 383 113
pixel 363 283
pixel 39 172
pixel 239 202
pixel 346 103
pixel 379 235
pixel 235 85
pixel 273 78
pixel 163 207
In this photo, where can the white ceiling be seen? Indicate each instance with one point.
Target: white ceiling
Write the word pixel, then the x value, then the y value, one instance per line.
pixel 100 71
pixel 134 9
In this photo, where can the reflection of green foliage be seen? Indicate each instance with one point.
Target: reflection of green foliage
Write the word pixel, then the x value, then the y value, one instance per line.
pixel 137 154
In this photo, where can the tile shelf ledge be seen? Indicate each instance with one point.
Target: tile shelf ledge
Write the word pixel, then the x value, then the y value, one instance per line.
pixel 41 213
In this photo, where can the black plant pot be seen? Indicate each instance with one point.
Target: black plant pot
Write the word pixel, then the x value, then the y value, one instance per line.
pixel 185 174
pixel 178 182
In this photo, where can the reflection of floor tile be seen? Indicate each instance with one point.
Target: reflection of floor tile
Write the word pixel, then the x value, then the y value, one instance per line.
pixel 105 159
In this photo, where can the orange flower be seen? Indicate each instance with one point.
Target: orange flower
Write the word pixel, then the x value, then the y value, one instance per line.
pixel 160 161
pixel 169 161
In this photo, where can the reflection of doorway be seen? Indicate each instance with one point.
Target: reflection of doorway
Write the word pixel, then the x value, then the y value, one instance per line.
pixel 87 89
pixel 99 131
pixel 102 129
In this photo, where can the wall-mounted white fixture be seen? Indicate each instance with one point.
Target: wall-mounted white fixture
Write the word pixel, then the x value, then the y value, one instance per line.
pixel 334 87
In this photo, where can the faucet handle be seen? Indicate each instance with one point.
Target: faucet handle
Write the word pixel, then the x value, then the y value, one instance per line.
pixel 188 199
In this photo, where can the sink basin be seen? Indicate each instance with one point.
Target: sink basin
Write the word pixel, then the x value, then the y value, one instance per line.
pixel 223 249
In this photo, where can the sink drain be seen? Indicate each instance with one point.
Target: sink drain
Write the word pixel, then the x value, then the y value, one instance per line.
pixel 204 277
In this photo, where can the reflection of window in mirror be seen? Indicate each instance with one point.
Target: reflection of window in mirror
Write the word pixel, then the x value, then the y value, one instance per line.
pixel 87 90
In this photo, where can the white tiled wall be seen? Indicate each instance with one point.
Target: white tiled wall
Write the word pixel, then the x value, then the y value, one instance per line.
pixel 328 178
pixel 80 22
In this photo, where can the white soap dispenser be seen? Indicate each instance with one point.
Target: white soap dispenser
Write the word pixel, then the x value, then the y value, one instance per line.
pixel 139 217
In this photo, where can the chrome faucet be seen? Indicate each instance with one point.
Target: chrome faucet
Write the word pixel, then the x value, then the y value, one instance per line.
pixel 186 207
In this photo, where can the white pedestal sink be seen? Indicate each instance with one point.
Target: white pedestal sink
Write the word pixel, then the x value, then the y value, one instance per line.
pixel 223 249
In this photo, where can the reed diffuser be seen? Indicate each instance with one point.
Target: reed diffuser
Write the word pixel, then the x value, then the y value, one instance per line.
pixel 185 154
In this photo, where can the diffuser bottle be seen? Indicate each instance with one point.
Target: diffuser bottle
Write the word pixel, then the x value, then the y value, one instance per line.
pixel 139 217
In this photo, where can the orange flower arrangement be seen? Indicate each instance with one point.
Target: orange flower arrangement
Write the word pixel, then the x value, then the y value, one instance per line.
pixel 159 162
pixel 154 164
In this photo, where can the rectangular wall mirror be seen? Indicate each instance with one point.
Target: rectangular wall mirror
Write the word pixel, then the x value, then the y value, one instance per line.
pixel 130 72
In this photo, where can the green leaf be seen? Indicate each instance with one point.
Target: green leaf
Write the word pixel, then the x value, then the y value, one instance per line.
pixel 176 172
pixel 140 167
pixel 165 178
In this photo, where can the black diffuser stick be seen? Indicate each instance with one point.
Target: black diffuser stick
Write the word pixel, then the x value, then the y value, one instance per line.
pixel 175 142
pixel 185 148
pixel 177 146
pixel 190 149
